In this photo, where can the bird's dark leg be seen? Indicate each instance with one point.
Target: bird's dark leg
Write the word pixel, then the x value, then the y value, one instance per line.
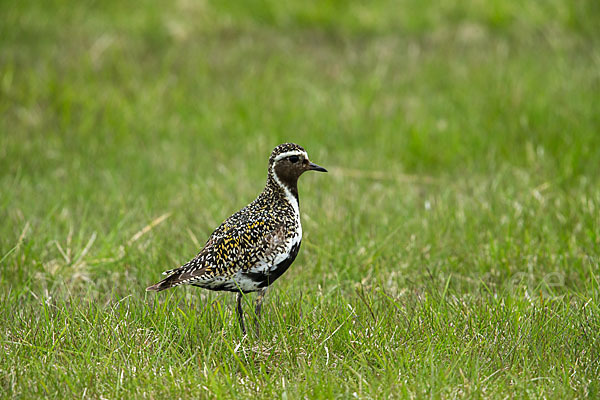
pixel 257 310
pixel 240 312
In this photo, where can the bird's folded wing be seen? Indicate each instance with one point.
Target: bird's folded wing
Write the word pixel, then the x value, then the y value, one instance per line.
pixel 228 250
pixel 232 248
pixel 243 247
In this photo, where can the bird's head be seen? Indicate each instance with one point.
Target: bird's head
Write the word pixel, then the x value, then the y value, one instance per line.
pixel 288 161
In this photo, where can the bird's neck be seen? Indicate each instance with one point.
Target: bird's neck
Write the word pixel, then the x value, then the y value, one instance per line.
pixel 288 189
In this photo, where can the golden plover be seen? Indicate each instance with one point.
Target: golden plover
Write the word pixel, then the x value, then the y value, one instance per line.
pixel 257 244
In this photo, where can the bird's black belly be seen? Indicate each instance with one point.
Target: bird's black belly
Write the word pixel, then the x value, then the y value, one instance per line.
pixel 265 279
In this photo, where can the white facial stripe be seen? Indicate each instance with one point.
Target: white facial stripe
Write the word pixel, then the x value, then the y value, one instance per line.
pixel 292 200
pixel 291 153
pixel 289 196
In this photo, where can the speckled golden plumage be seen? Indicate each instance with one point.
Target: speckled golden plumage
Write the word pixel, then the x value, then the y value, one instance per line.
pixel 257 244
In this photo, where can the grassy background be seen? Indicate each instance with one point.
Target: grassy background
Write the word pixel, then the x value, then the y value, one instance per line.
pixel 452 250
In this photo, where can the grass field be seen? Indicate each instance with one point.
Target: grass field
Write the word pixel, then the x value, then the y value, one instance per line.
pixel 452 251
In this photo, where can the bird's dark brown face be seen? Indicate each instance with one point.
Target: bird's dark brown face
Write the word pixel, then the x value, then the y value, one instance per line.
pixel 289 168
pixel 288 161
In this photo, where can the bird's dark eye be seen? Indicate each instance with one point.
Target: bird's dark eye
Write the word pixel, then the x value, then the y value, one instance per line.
pixel 293 159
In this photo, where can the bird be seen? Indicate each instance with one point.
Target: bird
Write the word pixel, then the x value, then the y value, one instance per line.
pixel 253 247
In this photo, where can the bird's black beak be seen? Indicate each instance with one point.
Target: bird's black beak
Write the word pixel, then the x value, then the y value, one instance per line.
pixel 315 167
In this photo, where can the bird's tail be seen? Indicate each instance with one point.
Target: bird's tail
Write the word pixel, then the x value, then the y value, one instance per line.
pixel 166 283
pixel 177 277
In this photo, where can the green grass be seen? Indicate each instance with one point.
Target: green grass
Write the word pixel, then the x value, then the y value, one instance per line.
pixel 452 250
